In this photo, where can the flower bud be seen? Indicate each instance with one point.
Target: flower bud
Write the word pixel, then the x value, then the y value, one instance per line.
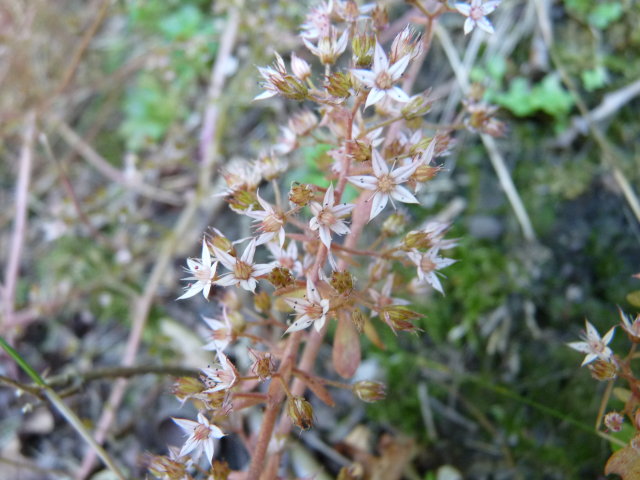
pixel 301 412
pixel 380 17
pixel 280 277
pixel 363 46
pixel 603 370
pixel 417 107
pixel 186 387
pixel 424 173
pixel 394 224
pixel 300 194
pixel 359 151
pixel 352 472
pixel 342 282
pixel 338 84
pixel 262 302
pixel 300 67
pixel 263 365
pixel 418 240
pixel 242 200
pixel 399 317
pixel 613 421
pixel 407 42
pixel 370 391
pixel 161 466
pixel 220 470
pixel 270 167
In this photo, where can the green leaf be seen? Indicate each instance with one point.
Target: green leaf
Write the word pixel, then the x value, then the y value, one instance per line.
pixel 605 14
pixel 594 79
pixel 28 369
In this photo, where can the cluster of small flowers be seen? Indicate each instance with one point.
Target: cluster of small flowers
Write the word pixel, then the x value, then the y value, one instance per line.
pixel 605 365
pixel 382 153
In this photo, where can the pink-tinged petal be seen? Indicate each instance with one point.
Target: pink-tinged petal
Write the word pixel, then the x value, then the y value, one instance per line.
pixel 340 228
pixel 216 432
pixel 265 206
pixel 444 262
pixel 344 209
pixel 463 8
pixel 250 284
pixel 379 165
pixel 260 269
pixel 187 425
pixel 375 95
pixel 226 280
pixel 328 197
pixel 589 358
pixel 433 279
pixel 325 236
pixel 208 449
pixel 402 174
pixel 206 290
pixel 265 95
pixel 249 252
pixel 264 238
pixel 191 292
pixel 490 6
pixel 469 23
pixel 342 42
pixel 213 323
pixel 379 202
pixel 365 77
pixel 189 446
pixel 427 155
pixel 608 336
pixel 226 259
pixel 592 333
pixel 314 224
pixel 398 68
pixel 312 48
pixel 580 346
pixel 380 61
pixel 193 264
pixel 366 182
pixel 398 95
pixel 300 324
pixel 485 25
pixel 319 323
pixel 316 208
pixel 206 255
pixel 401 194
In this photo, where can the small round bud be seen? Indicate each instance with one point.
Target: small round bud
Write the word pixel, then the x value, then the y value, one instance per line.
pixel 263 365
pixel 380 17
pixel 301 412
pixel 603 370
pixel 342 282
pixel 280 277
pixel 362 47
pixel 370 391
pixel 300 194
pixel 613 421
pixel 417 107
pixel 242 200
pixel 399 317
pixel 262 302
pixel 186 387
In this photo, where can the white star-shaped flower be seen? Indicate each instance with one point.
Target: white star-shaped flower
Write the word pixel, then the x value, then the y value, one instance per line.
pixel 202 436
pixel 202 271
pixel 243 271
pixel 287 258
pixel 385 183
pixel 428 263
pixel 382 76
pixel 476 13
pixel 328 216
pixel 329 47
pixel 221 378
pixel 594 346
pixel 312 309
pixel 271 222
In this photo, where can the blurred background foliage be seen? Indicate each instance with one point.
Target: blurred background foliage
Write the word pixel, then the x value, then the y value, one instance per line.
pixel 490 387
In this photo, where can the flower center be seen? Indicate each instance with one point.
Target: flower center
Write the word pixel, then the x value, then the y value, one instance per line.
pixel 242 270
pixel 386 183
pixel 271 223
pixel 326 217
pixel 426 265
pixel 202 273
pixel 201 432
pixel 314 310
pixel 476 13
pixel 384 81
